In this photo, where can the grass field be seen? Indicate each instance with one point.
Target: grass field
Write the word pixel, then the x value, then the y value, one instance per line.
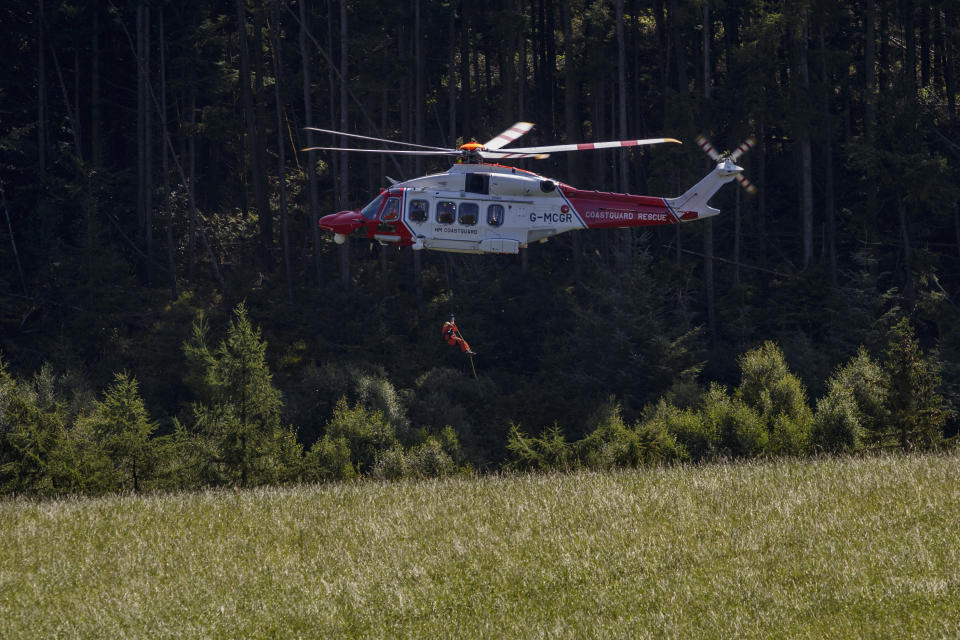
pixel 835 548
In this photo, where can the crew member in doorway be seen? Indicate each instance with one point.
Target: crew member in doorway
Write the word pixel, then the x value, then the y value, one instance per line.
pixel 452 335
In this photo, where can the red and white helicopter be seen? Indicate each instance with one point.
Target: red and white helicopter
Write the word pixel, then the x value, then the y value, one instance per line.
pixel 478 207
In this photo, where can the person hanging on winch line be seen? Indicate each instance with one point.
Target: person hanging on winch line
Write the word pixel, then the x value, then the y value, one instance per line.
pixel 452 336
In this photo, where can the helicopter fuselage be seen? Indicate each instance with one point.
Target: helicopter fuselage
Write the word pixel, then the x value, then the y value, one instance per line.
pixel 489 208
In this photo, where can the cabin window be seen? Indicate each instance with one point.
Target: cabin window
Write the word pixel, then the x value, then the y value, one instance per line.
pixel 469 212
pixel 495 215
pixel 370 211
pixel 391 212
pixel 478 183
pixel 446 212
pixel 418 210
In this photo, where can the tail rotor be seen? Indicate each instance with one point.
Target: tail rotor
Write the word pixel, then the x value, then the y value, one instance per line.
pixel 720 158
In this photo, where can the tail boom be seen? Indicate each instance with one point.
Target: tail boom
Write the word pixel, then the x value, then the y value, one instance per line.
pixel 603 210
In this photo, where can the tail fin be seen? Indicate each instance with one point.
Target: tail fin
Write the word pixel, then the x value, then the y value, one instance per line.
pixel 692 205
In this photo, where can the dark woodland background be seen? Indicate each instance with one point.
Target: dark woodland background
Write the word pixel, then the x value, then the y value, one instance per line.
pixel 159 219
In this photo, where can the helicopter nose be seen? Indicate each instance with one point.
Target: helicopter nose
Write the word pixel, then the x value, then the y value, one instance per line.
pixel 341 223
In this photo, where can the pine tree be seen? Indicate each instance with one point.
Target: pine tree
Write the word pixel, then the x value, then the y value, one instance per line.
pixel 917 410
pixel 240 419
pixel 123 429
pixel 31 441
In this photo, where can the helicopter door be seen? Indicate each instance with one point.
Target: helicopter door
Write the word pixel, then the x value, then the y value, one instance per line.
pixel 387 223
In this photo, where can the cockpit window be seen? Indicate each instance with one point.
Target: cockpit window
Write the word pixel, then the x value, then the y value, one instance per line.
pixel 391 212
pixel 370 211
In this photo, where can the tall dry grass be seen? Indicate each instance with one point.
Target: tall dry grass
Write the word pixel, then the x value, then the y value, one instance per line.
pixel 858 547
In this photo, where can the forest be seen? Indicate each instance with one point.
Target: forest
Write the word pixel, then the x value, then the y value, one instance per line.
pixel 172 316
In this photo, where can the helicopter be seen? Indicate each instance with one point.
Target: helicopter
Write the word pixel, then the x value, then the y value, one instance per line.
pixel 477 206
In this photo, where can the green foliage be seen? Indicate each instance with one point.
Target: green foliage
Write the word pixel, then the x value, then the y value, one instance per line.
pixel 548 452
pixel 32 455
pixel 741 431
pixel 614 445
pixel 329 459
pixel 768 387
pixel 854 412
pixel 426 460
pixel 365 433
pixel 836 427
pixel 611 445
pixel 122 430
pixel 238 422
pixel 916 408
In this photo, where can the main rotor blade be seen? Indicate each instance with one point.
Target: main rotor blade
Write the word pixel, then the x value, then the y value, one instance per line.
pixel 497 155
pixel 585 146
pixel 508 136
pixel 438 152
pixel 397 142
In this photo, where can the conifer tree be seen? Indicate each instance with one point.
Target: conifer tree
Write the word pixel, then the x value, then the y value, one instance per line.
pixel 917 410
pixel 240 421
pixel 123 430
pixel 31 440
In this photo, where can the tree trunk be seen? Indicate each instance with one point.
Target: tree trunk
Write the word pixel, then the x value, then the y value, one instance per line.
pixel 452 74
pixel 762 204
pixel 192 169
pixel 905 239
pixel 910 42
pixel 708 262
pixel 344 125
pixel 148 150
pixel 42 106
pixel 141 123
pixel 679 51
pixel 948 76
pixel 806 162
pixel 171 262
pixel 96 151
pixel 829 205
pixel 260 186
pixel 707 68
pixel 418 93
pixel 623 167
pixel 869 70
pixel 737 236
pixel 281 153
pixel 571 114
pixel 256 168
pixel 314 187
pixel 924 44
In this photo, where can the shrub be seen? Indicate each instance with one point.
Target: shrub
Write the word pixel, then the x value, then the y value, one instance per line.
pixel 768 387
pixel 328 459
pixel 615 445
pixel 697 437
pixel 549 452
pixel 836 427
pixel 740 430
pixel 430 460
pixel 392 464
pixel 863 379
pixel 366 433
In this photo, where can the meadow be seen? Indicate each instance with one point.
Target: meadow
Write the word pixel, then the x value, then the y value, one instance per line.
pixel 847 547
